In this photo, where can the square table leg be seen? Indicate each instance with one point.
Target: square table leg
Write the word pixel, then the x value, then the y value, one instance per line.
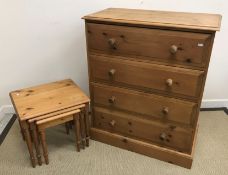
pixel 27 136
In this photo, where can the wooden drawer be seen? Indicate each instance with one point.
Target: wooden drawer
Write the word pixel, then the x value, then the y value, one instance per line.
pixel 153 106
pixel 146 76
pixel 162 134
pixel 173 47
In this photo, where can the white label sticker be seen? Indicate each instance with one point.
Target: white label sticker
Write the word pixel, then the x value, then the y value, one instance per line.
pixel 200 44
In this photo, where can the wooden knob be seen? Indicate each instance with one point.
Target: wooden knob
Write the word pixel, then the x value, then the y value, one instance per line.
pixel 173 49
pixel 165 110
pixel 112 99
pixel 169 82
pixel 112 43
pixel 112 123
pixel 111 72
pixel 163 136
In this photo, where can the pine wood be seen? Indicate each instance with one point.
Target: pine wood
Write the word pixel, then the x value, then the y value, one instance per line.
pixel 22 133
pixel 78 136
pixel 57 113
pixel 82 128
pixel 40 100
pixel 36 141
pixel 152 18
pixel 135 145
pixel 44 146
pixel 142 103
pixel 53 122
pixel 33 127
pixel 185 82
pixel 41 88
pixel 67 126
pixel 175 137
pixel 87 123
pixel 25 129
pixel 148 67
pixel 56 120
pixel 45 101
pixel 155 44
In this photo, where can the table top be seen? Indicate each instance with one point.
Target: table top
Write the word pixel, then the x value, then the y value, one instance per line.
pixel 183 20
pixel 47 98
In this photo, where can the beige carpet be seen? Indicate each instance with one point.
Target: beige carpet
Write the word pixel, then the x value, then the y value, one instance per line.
pixel 211 155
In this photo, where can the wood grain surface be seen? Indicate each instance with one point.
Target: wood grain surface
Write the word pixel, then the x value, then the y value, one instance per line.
pixel 43 99
pixel 149 44
pixel 183 20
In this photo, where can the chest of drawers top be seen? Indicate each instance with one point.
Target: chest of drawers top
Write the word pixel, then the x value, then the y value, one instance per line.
pixel 149 18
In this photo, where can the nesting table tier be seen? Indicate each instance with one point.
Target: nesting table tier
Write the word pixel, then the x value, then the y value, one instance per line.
pixel 56 120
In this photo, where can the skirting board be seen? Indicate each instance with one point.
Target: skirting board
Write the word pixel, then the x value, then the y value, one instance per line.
pixel 214 103
pixel 7 119
pixel 7 128
pixel 6 109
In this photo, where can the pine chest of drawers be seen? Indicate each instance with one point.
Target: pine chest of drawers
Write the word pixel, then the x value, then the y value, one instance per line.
pixel 147 71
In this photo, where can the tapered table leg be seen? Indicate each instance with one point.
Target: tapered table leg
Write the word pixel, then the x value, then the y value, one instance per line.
pixel 67 126
pixel 22 133
pixel 82 129
pixel 44 145
pixel 86 118
pixel 27 136
pixel 36 142
pixel 77 132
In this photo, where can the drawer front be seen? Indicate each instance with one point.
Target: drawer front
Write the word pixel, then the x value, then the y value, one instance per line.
pixel 153 106
pixel 173 47
pixel 162 134
pixel 166 79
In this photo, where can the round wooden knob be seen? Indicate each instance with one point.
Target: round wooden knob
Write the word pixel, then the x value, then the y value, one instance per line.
pixel 112 123
pixel 163 136
pixel 165 110
pixel 111 72
pixel 112 99
pixel 169 82
pixel 173 49
pixel 112 43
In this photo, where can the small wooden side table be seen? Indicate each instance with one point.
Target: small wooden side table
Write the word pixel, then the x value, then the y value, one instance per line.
pixel 43 124
pixel 45 99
